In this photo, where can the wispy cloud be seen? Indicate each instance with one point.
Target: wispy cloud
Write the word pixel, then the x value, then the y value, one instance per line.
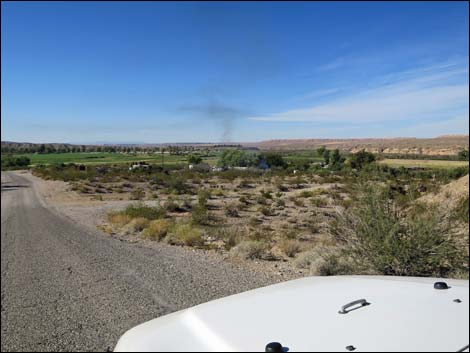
pixel 333 64
pixel 424 93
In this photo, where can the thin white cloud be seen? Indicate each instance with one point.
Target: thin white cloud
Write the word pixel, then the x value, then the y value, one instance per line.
pixel 321 93
pixel 334 64
pixel 417 97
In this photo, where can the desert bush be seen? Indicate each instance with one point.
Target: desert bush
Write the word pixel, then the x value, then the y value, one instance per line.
pixel 177 185
pixel 280 202
pixel 325 261
pixel 141 210
pixel 298 202
pixel 137 194
pixel 231 236
pixel 281 187
pixel 171 205
pixel 136 225
pixel 118 218
pixel 305 259
pixel 218 192
pixel 254 221
pixel 319 202
pixel 331 265
pixel 261 200
pixel 266 194
pixel 249 250
pixel 243 200
pixel 266 211
pixel 203 196
pixel 379 235
pixel 185 234
pixel 262 235
pixel 289 234
pixel 231 210
pixel 290 247
pixel 157 229
pixel 306 194
pixel 200 215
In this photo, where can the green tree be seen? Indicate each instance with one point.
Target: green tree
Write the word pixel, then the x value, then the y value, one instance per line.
pixel 360 159
pixel 194 159
pixel 463 155
pixel 274 160
pixel 336 159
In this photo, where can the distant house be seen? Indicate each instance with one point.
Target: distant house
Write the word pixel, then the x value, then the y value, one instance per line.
pixel 139 165
pixel 201 167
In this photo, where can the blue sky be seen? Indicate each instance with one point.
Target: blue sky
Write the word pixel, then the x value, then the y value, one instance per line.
pixel 89 72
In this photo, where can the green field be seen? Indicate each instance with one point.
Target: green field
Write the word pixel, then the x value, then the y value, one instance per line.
pixel 93 158
pixel 424 163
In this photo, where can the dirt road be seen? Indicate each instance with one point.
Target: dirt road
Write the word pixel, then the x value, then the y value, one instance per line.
pixel 65 288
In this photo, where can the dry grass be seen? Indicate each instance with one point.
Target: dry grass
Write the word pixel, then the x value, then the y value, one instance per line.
pixel 290 247
pixel 185 234
pixel 249 250
pixel 119 219
pixel 157 229
pixel 136 225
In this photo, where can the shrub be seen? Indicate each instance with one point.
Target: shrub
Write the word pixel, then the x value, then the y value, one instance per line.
pixel 319 202
pixel 141 210
pixel 185 234
pixel 243 200
pixel 249 250
pixel 231 236
pixel 157 229
pixel 136 225
pixel 331 265
pixel 305 260
pixel 137 194
pixel 266 194
pixel 200 215
pixel 306 194
pixel 290 247
pixel 261 200
pixel 361 159
pixel 194 159
pixel 266 211
pixel 171 206
pixel 298 202
pixel 118 218
pixel 203 196
pixel 281 187
pixel 253 221
pixel 231 210
pixel 218 192
pixel 380 236
pixel 177 185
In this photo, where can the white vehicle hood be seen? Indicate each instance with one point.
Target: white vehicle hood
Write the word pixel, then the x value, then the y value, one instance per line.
pixel 405 314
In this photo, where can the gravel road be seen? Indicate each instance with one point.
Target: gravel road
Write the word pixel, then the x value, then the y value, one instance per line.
pixel 65 288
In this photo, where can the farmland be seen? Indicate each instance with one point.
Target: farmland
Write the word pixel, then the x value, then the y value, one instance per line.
pixel 97 158
pixel 424 163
